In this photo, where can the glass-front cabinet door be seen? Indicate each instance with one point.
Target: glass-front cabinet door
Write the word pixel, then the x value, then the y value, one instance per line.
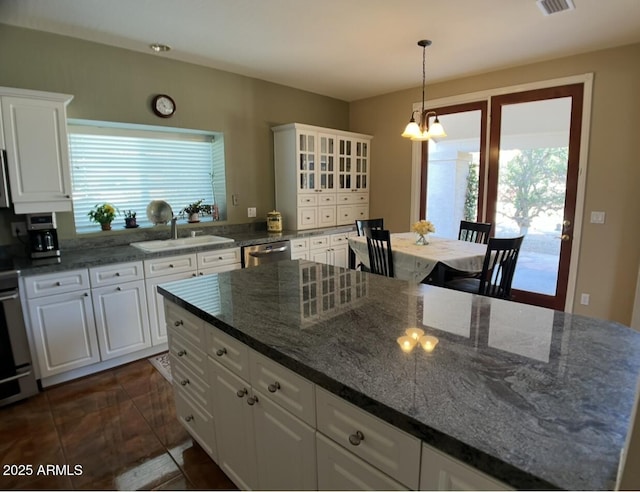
pixel 326 162
pixel 306 161
pixel 345 164
pixel 362 165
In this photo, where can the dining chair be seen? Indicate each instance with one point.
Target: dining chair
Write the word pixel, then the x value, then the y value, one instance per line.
pixel 497 270
pixel 475 232
pixel 380 254
pixel 360 226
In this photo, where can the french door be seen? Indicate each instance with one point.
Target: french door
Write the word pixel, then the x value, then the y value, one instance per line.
pixel 524 182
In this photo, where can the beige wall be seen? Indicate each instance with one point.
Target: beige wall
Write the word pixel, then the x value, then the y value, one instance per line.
pixel 609 253
pixel 113 84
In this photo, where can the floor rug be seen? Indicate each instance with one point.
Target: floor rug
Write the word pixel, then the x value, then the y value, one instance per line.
pixel 162 364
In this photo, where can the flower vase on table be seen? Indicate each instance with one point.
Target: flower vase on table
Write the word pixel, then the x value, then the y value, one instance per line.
pixel 106 226
pixel 423 228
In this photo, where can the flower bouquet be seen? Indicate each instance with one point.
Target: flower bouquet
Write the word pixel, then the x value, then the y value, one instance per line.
pixel 422 228
pixel 103 215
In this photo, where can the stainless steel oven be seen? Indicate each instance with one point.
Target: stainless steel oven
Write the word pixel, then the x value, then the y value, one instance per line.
pixel 17 378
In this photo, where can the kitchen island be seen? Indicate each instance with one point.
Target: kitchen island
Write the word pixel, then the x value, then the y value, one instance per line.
pixel 531 397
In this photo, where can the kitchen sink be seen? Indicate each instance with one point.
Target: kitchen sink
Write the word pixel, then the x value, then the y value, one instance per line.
pixel 184 242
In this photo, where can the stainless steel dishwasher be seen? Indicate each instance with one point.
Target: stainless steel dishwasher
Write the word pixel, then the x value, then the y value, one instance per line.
pixel 266 253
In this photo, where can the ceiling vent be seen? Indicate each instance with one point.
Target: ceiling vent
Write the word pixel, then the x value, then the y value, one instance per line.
pixel 549 7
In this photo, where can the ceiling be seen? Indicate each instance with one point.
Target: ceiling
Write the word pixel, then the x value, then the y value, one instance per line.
pixel 347 49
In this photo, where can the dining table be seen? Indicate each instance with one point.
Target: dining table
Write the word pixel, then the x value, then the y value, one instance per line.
pixel 416 262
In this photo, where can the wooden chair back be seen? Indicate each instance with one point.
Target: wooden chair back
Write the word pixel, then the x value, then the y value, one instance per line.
pixel 499 266
pixel 475 232
pixel 380 254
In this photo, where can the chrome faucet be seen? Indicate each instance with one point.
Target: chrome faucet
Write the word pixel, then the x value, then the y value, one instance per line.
pixel 174 227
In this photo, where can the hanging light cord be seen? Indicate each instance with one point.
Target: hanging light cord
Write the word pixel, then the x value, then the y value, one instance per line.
pixel 424 72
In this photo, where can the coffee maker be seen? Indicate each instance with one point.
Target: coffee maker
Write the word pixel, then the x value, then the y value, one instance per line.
pixel 43 237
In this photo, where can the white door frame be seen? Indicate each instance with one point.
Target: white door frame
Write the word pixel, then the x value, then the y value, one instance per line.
pixel 587 80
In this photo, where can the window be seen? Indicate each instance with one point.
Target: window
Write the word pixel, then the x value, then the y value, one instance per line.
pixel 131 165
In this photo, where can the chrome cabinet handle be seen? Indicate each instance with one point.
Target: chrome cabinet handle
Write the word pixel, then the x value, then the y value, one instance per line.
pixel 252 400
pixel 188 418
pixel 182 353
pixel 184 382
pixel 273 387
pixel 357 438
pixel 221 352
pixel 240 393
pixel 178 323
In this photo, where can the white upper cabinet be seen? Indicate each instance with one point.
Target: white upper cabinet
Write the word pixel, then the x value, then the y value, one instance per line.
pixel 34 127
pixel 313 165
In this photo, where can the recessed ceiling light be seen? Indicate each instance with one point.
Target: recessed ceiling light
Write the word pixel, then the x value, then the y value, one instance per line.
pixel 158 48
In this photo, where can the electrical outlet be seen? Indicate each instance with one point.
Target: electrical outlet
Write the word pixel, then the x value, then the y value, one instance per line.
pixel 597 217
pixel 234 199
pixel 584 299
pixel 18 229
pixel 251 212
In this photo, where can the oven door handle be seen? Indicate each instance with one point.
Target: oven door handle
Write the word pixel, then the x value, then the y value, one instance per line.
pixel 267 252
pixel 17 376
pixel 10 297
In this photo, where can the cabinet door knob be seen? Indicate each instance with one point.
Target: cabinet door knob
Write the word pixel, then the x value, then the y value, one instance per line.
pixel 357 438
pixel 182 353
pixel 58 284
pixel 273 387
pixel 117 274
pixel 170 265
pixel 188 418
pixel 118 288
pixel 178 323
pixel 252 400
pixel 241 392
pixel 221 352
pixel 86 294
pixel 184 382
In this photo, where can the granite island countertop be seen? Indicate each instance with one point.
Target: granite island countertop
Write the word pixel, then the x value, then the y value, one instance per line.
pixel 539 399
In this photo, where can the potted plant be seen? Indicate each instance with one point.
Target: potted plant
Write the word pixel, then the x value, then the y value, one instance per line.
pixel 130 219
pixel 193 210
pixel 103 215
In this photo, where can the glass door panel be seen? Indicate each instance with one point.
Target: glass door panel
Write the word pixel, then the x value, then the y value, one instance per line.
pixel 306 155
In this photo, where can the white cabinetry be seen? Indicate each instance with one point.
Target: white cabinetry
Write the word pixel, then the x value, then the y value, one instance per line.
pixel 264 418
pixel 313 165
pixel 332 249
pixel 120 309
pixel 440 472
pixel 34 126
pixel 62 321
pixel 190 382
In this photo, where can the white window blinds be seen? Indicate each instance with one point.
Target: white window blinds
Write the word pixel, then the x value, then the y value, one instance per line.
pixel 129 167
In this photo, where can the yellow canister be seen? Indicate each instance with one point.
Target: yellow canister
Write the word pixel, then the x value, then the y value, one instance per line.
pixel 274 221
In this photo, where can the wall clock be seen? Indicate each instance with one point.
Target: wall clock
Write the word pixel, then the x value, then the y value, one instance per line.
pixel 163 106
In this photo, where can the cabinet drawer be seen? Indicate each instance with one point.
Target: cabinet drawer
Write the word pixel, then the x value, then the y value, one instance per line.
pixel 307 218
pixel 385 447
pixel 441 472
pixel 197 422
pixel 116 274
pixel 191 384
pixel 318 242
pixel 209 259
pixel 299 245
pixel 188 354
pixel 326 216
pixel 348 214
pixel 231 353
pixel 185 324
pixel 352 198
pixel 291 391
pixel 327 199
pixel 169 264
pixel 56 283
pixel 307 200
pixel 340 470
pixel 338 239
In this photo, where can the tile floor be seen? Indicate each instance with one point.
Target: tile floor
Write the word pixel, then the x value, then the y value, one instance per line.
pixel 119 425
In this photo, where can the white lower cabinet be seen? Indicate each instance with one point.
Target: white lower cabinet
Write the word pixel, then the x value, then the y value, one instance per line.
pixel 64 332
pixel 122 320
pixel 440 472
pixel 332 249
pixel 155 305
pixel 339 469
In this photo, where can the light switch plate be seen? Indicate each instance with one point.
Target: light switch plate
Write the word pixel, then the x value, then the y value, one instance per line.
pixel 251 212
pixel 597 217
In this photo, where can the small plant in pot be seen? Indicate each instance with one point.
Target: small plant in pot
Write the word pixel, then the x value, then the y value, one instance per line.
pixel 103 215
pixel 130 219
pixel 193 210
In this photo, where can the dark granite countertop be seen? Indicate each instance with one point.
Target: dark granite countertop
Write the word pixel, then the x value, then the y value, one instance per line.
pixel 535 398
pixel 110 248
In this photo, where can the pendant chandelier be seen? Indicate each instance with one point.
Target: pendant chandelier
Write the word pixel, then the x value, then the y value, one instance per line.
pixel 422 130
